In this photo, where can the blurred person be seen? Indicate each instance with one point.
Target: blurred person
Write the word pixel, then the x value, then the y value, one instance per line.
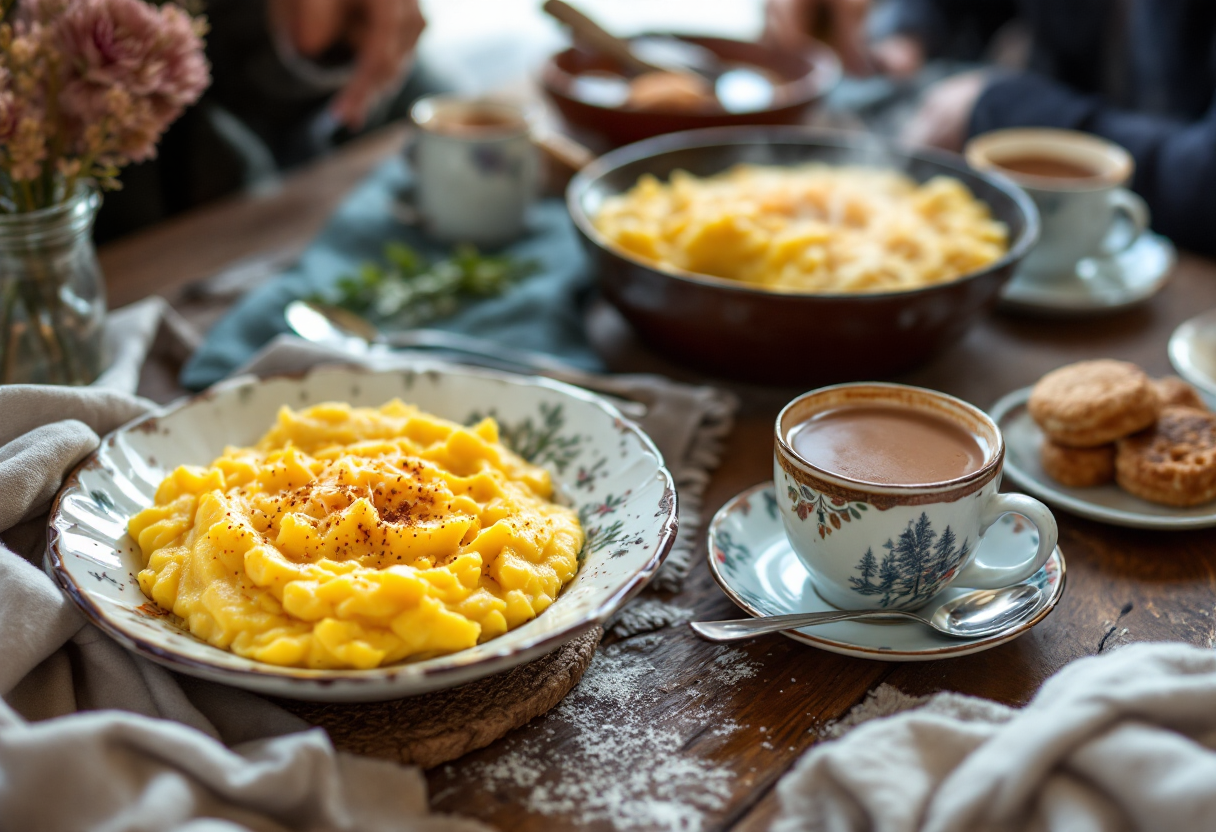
pixel 1141 73
pixel 291 80
pixel 381 34
pixel 845 25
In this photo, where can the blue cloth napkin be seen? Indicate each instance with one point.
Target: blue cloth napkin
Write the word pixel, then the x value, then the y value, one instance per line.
pixel 542 313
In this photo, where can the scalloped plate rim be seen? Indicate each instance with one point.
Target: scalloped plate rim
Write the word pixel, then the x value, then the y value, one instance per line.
pixel 396 680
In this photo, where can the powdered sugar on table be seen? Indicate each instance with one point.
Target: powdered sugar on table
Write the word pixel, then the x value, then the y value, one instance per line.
pixel 626 768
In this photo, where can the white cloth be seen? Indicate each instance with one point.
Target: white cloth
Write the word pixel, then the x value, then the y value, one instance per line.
pixel 133 330
pixel 181 754
pixel 1114 743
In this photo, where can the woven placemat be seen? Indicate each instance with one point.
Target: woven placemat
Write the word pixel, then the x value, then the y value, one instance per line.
pixel 438 727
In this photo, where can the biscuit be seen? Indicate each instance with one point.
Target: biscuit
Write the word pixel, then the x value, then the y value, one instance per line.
pixel 1093 402
pixel 1078 467
pixel 1174 461
pixel 1172 390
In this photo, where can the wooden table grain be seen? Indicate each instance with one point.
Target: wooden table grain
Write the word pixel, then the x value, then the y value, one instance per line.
pixel 1123 585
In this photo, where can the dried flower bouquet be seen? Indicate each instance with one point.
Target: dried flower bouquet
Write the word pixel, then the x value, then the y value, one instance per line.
pixel 86 87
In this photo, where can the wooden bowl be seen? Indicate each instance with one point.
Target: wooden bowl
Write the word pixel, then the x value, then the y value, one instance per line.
pixel 806 78
pixel 732 329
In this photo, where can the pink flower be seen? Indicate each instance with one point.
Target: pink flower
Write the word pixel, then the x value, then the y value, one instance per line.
pixel 130 63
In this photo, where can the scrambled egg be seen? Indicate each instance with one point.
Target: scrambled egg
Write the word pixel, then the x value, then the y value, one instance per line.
pixel 354 537
pixel 812 228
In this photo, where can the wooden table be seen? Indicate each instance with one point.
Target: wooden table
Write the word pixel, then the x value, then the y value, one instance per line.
pixel 1123 585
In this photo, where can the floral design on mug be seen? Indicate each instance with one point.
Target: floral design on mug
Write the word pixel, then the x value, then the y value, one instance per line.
pixel 493 161
pixel 914 568
pixel 829 512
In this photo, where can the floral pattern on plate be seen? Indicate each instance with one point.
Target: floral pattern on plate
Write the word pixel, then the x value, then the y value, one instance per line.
pixel 756 567
pixel 629 517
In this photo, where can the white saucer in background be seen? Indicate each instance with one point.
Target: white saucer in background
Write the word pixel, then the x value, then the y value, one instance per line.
pixel 1099 284
pixel 751 559
pixel 1106 503
pixel 1193 352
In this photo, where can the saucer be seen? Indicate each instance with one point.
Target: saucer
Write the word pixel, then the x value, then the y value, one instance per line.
pixel 752 561
pixel 1193 352
pixel 1098 284
pixel 1106 503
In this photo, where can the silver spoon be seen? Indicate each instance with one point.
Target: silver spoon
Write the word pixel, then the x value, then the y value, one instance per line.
pixel 323 323
pixel 351 332
pixel 981 612
pixel 739 89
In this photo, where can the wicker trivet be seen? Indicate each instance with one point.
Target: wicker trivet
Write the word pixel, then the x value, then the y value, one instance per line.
pixel 437 727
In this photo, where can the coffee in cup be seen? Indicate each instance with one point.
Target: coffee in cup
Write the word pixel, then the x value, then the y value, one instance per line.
pixel 885 492
pixel 476 169
pixel 1076 180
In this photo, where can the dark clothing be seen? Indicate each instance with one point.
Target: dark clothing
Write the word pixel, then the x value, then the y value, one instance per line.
pixel 258 118
pixel 1141 73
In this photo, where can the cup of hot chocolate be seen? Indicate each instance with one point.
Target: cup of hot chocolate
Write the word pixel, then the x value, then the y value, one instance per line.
pixel 475 167
pixel 1076 180
pixel 886 491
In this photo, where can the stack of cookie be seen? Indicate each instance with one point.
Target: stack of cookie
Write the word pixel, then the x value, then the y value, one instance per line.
pixel 1108 421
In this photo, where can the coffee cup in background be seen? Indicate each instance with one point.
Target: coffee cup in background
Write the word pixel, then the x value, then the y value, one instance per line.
pixel 475 169
pixel 1076 180
pixel 885 492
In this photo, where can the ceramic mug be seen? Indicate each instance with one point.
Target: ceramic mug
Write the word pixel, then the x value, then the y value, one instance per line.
pixel 894 546
pixel 476 169
pixel 1079 216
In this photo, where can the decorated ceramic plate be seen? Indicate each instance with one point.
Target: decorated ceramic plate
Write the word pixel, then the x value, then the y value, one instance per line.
pixel 1107 503
pixel 601 463
pixel 753 562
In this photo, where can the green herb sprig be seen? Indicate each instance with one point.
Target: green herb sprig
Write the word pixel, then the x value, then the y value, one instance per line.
pixel 407 290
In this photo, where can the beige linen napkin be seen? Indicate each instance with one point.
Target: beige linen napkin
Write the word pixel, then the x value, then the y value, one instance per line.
pixel 92 737
pixel 108 769
pixel 1114 743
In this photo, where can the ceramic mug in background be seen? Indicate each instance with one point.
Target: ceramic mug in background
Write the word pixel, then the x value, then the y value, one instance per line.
pixel 1078 212
pixel 475 169
pixel 895 546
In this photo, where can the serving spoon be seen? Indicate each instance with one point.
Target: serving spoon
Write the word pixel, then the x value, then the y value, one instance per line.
pixel 351 332
pixel 981 612
pixel 738 89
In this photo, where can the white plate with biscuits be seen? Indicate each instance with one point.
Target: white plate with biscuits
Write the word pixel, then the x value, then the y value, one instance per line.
pixel 1095 448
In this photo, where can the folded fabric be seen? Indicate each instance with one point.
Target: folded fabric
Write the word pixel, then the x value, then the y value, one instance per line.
pixel 130 332
pixel 106 769
pixel 543 313
pixel 1113 743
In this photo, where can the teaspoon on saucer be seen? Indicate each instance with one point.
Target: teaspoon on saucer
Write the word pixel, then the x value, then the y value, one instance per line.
pixel 975 614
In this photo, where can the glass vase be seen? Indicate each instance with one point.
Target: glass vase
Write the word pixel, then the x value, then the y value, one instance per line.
pixel 52 297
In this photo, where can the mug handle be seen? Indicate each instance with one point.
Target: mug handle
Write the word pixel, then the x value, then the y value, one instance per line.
pixel 978 575
pixel 1123 201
